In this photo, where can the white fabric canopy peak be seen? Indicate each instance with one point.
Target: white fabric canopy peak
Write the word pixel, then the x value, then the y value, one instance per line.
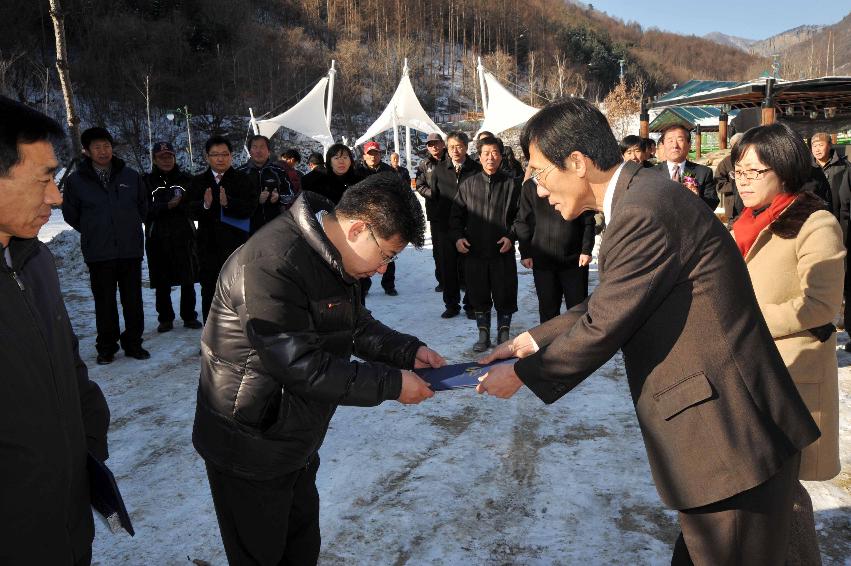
pixel 307 117
pixel 404 109
pixel 503 110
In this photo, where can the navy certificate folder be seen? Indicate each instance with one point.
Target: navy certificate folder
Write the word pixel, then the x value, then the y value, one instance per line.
pixel 105 497
pixel 456 376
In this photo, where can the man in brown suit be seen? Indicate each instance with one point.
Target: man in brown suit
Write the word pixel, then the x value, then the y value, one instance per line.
pixel 722 421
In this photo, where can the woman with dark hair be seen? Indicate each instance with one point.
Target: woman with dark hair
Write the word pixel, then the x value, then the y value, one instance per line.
pixel 795 256
pixel 339 175
pixel 510 164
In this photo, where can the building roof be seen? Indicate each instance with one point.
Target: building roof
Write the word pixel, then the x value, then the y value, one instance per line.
pixel 690 117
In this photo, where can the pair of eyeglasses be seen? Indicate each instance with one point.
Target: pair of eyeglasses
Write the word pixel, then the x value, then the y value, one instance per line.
pixel 749 174
pixel 385 257
pixel 536 177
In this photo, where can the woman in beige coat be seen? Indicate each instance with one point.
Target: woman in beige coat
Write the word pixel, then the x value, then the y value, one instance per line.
pixel 794 252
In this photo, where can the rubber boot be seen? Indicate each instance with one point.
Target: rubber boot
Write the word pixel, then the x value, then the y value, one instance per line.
pixel 503 325
pixel 483 321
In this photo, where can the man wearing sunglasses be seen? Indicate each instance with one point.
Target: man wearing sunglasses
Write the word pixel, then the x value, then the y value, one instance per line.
pixel 276 362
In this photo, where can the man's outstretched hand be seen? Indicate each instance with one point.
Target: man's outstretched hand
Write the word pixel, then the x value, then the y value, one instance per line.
pixel 500 381
pixel 428 358
pixel 414 389
pixel 521 346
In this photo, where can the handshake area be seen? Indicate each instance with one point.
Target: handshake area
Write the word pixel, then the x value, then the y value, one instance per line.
pixel 459 478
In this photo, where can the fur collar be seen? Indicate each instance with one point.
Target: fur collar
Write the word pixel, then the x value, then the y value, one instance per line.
pixel 788 225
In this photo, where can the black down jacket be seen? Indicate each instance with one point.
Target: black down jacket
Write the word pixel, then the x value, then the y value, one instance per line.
pixel 170 232
pixel 51 416
pixel 277 346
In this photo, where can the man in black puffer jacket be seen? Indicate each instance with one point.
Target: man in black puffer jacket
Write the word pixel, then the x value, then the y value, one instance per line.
pixel 276 362
pixel 106 202
pixel 52 415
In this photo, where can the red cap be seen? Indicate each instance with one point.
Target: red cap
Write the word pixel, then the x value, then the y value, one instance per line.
pixel 370 146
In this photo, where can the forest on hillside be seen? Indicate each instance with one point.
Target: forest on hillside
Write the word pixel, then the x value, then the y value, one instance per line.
pixel 219 57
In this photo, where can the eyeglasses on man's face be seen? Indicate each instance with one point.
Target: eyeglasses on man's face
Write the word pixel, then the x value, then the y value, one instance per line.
pixel 749 174
pixel 536 176
pixel 385 257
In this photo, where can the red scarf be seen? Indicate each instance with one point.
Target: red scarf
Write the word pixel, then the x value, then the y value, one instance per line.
pixel 750 224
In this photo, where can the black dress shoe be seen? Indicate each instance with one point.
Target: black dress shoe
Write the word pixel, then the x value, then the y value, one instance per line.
pixel 438 289
pixel 138 353
pixel 392 292
pixel 451 312
pixel 470 314
pixel 196 324
pixel 165 326
pixel 104 359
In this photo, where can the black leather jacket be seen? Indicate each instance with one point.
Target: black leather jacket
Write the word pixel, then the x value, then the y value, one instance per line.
pixel 277 346
pixel 484 211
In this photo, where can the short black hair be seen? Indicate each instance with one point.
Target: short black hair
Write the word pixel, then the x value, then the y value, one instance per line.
pixel 569 125
pixel 632 141
pixel 256 137
pixel 20 124
pixel 649 142
pixel 315 158
pixel 458 135
pixel 490 141
pixel 485 134
pixel 93 134
pixel 291 154
pixel 388 207
pixel 336 150
pixel 672 127
pixel 780 148
pixel 218 140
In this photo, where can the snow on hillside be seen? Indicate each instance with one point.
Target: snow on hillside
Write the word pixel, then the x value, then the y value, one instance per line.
pixel 459 479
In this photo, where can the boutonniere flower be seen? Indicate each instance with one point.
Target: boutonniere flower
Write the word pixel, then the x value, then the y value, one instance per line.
pixel 690 182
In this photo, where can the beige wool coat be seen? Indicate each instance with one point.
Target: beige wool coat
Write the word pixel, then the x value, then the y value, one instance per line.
pixel 797 268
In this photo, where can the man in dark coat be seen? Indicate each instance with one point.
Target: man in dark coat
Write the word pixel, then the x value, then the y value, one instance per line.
pixel 277 361
pixel 269 180
pixel 170 239
pixel 222 200
pixel 480 224
pixel 426 186
pixel 402 172
pixel 722 420
pixel 448 174
pixel 558 252
pixel 693 176
pixel 53 414
pixel 106 202
pixel 371 165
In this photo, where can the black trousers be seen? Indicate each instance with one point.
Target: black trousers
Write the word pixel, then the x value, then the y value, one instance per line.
pixel 750 528
pixel 435 251
pixel 208 291
pixel 270 522
pixel 492 282
pixel 553 285
pixel 450 271
pixel 388 281
pixel 187 303
pixel 125 276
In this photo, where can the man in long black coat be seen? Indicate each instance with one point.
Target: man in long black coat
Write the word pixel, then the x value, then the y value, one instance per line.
pixel 222 200
pixel 170 239
pixel 52 414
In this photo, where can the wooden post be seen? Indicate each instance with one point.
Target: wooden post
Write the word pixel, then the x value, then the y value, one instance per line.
pixel 768 113
pixel 722 131
pixel 644 117
pixel 697 140
pixel 834 138
pixel 768 116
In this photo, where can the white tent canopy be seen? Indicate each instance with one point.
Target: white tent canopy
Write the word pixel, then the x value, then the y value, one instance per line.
pixel 307 117
pixel 404 109
pixel 502 109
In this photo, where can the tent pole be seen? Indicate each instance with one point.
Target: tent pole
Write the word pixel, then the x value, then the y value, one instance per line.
pixel 481 70
pixel 331 72
pixel 253 121
pixel 408 148
pixel 395 133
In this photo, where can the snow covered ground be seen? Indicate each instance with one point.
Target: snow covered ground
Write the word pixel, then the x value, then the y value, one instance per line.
pixel 459 479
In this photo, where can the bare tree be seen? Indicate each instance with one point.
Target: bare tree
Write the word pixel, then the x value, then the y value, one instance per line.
pixel 65 78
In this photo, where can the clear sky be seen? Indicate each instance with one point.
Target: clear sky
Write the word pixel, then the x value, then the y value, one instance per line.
pixel 751 19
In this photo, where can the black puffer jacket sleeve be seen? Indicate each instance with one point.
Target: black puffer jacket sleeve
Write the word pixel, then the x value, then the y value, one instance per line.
pixel 275 316
pixel 588 232
pixel 524 222
pixel 375 341
pixel 93 406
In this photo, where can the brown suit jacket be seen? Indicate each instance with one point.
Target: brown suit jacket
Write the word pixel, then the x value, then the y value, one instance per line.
pixel 717 408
